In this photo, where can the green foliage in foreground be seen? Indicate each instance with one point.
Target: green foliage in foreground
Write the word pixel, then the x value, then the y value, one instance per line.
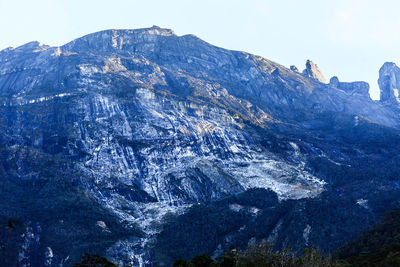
pixel 94 261
pixel 263 255
pixel 380 242
pixel 388 256
pixel 378 247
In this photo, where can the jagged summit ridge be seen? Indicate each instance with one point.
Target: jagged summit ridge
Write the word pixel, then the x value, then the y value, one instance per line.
pixel 359 88
pixel 312 71
pixel 389 82
pixel 121 39
pixel 150 123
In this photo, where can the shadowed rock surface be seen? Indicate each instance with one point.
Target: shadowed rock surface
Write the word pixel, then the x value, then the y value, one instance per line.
pixel 124 142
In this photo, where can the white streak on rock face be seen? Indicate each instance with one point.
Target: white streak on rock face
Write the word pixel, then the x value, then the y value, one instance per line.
pixel 21 101
pixel 275 232
pixel 145 94
pixel 396 94
pixel 286 180
pixel 88 69
pixel 162 148
pixel 47 98
pixel 168 152
pixel 57 52
pixel 153 123
pixel 115 38
pixel 363 203
pixel 306 234
pixel 31 238
pixel 113 64
pixel 356 120
pixel 251 210
pixel 102 226
pixel 48 256
pixel 148 217
pixel 389 82
pixel 236 207
pixel 295 148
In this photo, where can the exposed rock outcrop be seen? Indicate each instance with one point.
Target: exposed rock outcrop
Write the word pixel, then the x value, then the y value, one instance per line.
pixel 359 88
pixel 312 71
pixel 389 82
pixel 294 68
pixel 106 136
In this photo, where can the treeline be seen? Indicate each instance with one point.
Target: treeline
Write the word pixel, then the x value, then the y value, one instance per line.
pixel 378 247
pixel 263 255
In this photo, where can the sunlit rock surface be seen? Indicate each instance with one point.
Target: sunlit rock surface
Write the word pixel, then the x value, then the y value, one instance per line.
pixel 114 134
pixel 389 82
pixel 312 70
pixel 359 88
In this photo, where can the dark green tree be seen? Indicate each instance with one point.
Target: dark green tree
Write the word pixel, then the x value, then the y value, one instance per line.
pixel 202 261
pixel 182 263
pixel 95 260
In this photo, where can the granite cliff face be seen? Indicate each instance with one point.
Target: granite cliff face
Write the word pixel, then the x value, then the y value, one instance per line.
pixel 109 141
pixel 359 88
pixel 313 71
pixel 389 82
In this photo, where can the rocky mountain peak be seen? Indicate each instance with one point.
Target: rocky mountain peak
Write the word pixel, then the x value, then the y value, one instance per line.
pixel 294 68
pixel 139 125
pixel 119 39
pixel 353 88
pixel 389 82
pixel 31 46
pixel 334 81
pixel 312 70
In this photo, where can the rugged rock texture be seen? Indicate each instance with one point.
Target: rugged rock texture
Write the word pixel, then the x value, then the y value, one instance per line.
pixel 389 82
pixel 312 70
pixel 118 135
pixel 294 68
pixel 360 88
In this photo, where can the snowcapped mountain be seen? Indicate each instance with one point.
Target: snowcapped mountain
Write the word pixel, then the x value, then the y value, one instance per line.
pixel 116 141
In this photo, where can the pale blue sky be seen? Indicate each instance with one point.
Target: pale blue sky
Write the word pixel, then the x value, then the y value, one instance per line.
pixel 347 38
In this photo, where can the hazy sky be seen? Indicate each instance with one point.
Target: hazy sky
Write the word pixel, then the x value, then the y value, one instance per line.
pixel 347 38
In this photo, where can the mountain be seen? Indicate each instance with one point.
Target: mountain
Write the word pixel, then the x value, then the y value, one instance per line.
pixel 313 71
pixel 379 246
pixel 145 147
pixel 389 82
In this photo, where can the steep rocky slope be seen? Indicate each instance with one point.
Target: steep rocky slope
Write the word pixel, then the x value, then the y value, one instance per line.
pixel 111 140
